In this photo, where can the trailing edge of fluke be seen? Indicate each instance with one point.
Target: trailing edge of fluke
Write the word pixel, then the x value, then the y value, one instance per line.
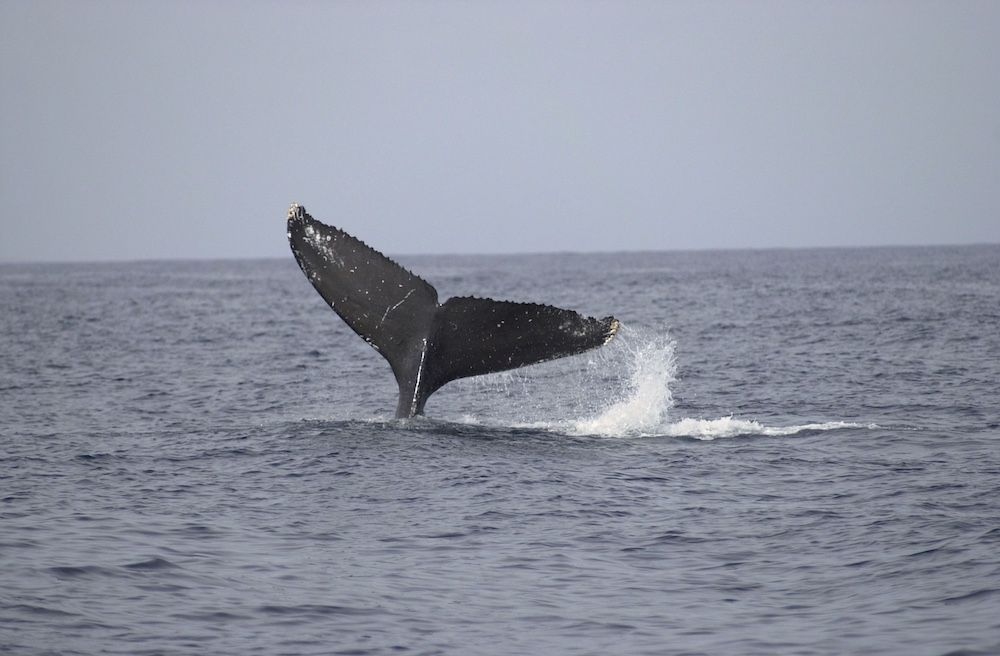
pixel 429 344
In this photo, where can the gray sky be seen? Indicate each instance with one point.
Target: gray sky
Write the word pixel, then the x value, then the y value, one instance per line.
pixel 143 129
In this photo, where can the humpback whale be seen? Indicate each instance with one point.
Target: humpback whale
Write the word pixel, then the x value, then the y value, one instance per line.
pixel 426 343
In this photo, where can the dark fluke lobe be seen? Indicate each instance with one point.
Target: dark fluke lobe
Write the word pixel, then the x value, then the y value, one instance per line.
pixel 426 343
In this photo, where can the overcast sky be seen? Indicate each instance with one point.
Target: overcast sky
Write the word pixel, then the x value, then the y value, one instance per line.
pixel 141 129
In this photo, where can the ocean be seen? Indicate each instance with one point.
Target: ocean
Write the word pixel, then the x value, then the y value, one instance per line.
pixel 782 452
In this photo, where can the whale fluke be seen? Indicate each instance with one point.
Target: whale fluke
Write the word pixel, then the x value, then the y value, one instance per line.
pixel 426 343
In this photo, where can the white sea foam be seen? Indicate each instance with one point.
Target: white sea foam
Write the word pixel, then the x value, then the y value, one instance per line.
pixel 710 429
pixel 643 406
pixel 622 391
pixel 698 429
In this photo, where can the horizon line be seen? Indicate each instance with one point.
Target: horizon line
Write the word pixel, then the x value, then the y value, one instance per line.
pixel 714 249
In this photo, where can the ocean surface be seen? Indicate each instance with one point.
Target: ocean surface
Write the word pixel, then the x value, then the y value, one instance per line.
pixel 782 452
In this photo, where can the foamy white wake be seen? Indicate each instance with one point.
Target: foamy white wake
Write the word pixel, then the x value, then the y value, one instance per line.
pixel 711 429
pixel 642 408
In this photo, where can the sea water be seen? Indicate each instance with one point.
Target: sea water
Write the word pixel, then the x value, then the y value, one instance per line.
pixel 792 452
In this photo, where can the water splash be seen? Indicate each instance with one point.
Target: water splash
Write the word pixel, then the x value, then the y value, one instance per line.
pixel 645 402
pixel 622 390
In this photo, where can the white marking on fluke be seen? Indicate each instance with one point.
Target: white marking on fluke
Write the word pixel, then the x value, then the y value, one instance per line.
pixel 420 371
pixel 390 309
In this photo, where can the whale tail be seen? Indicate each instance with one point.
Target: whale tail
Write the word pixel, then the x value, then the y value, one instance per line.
pixel 428 344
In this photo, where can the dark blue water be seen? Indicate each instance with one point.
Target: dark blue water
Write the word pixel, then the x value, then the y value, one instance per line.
pixel 791 452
